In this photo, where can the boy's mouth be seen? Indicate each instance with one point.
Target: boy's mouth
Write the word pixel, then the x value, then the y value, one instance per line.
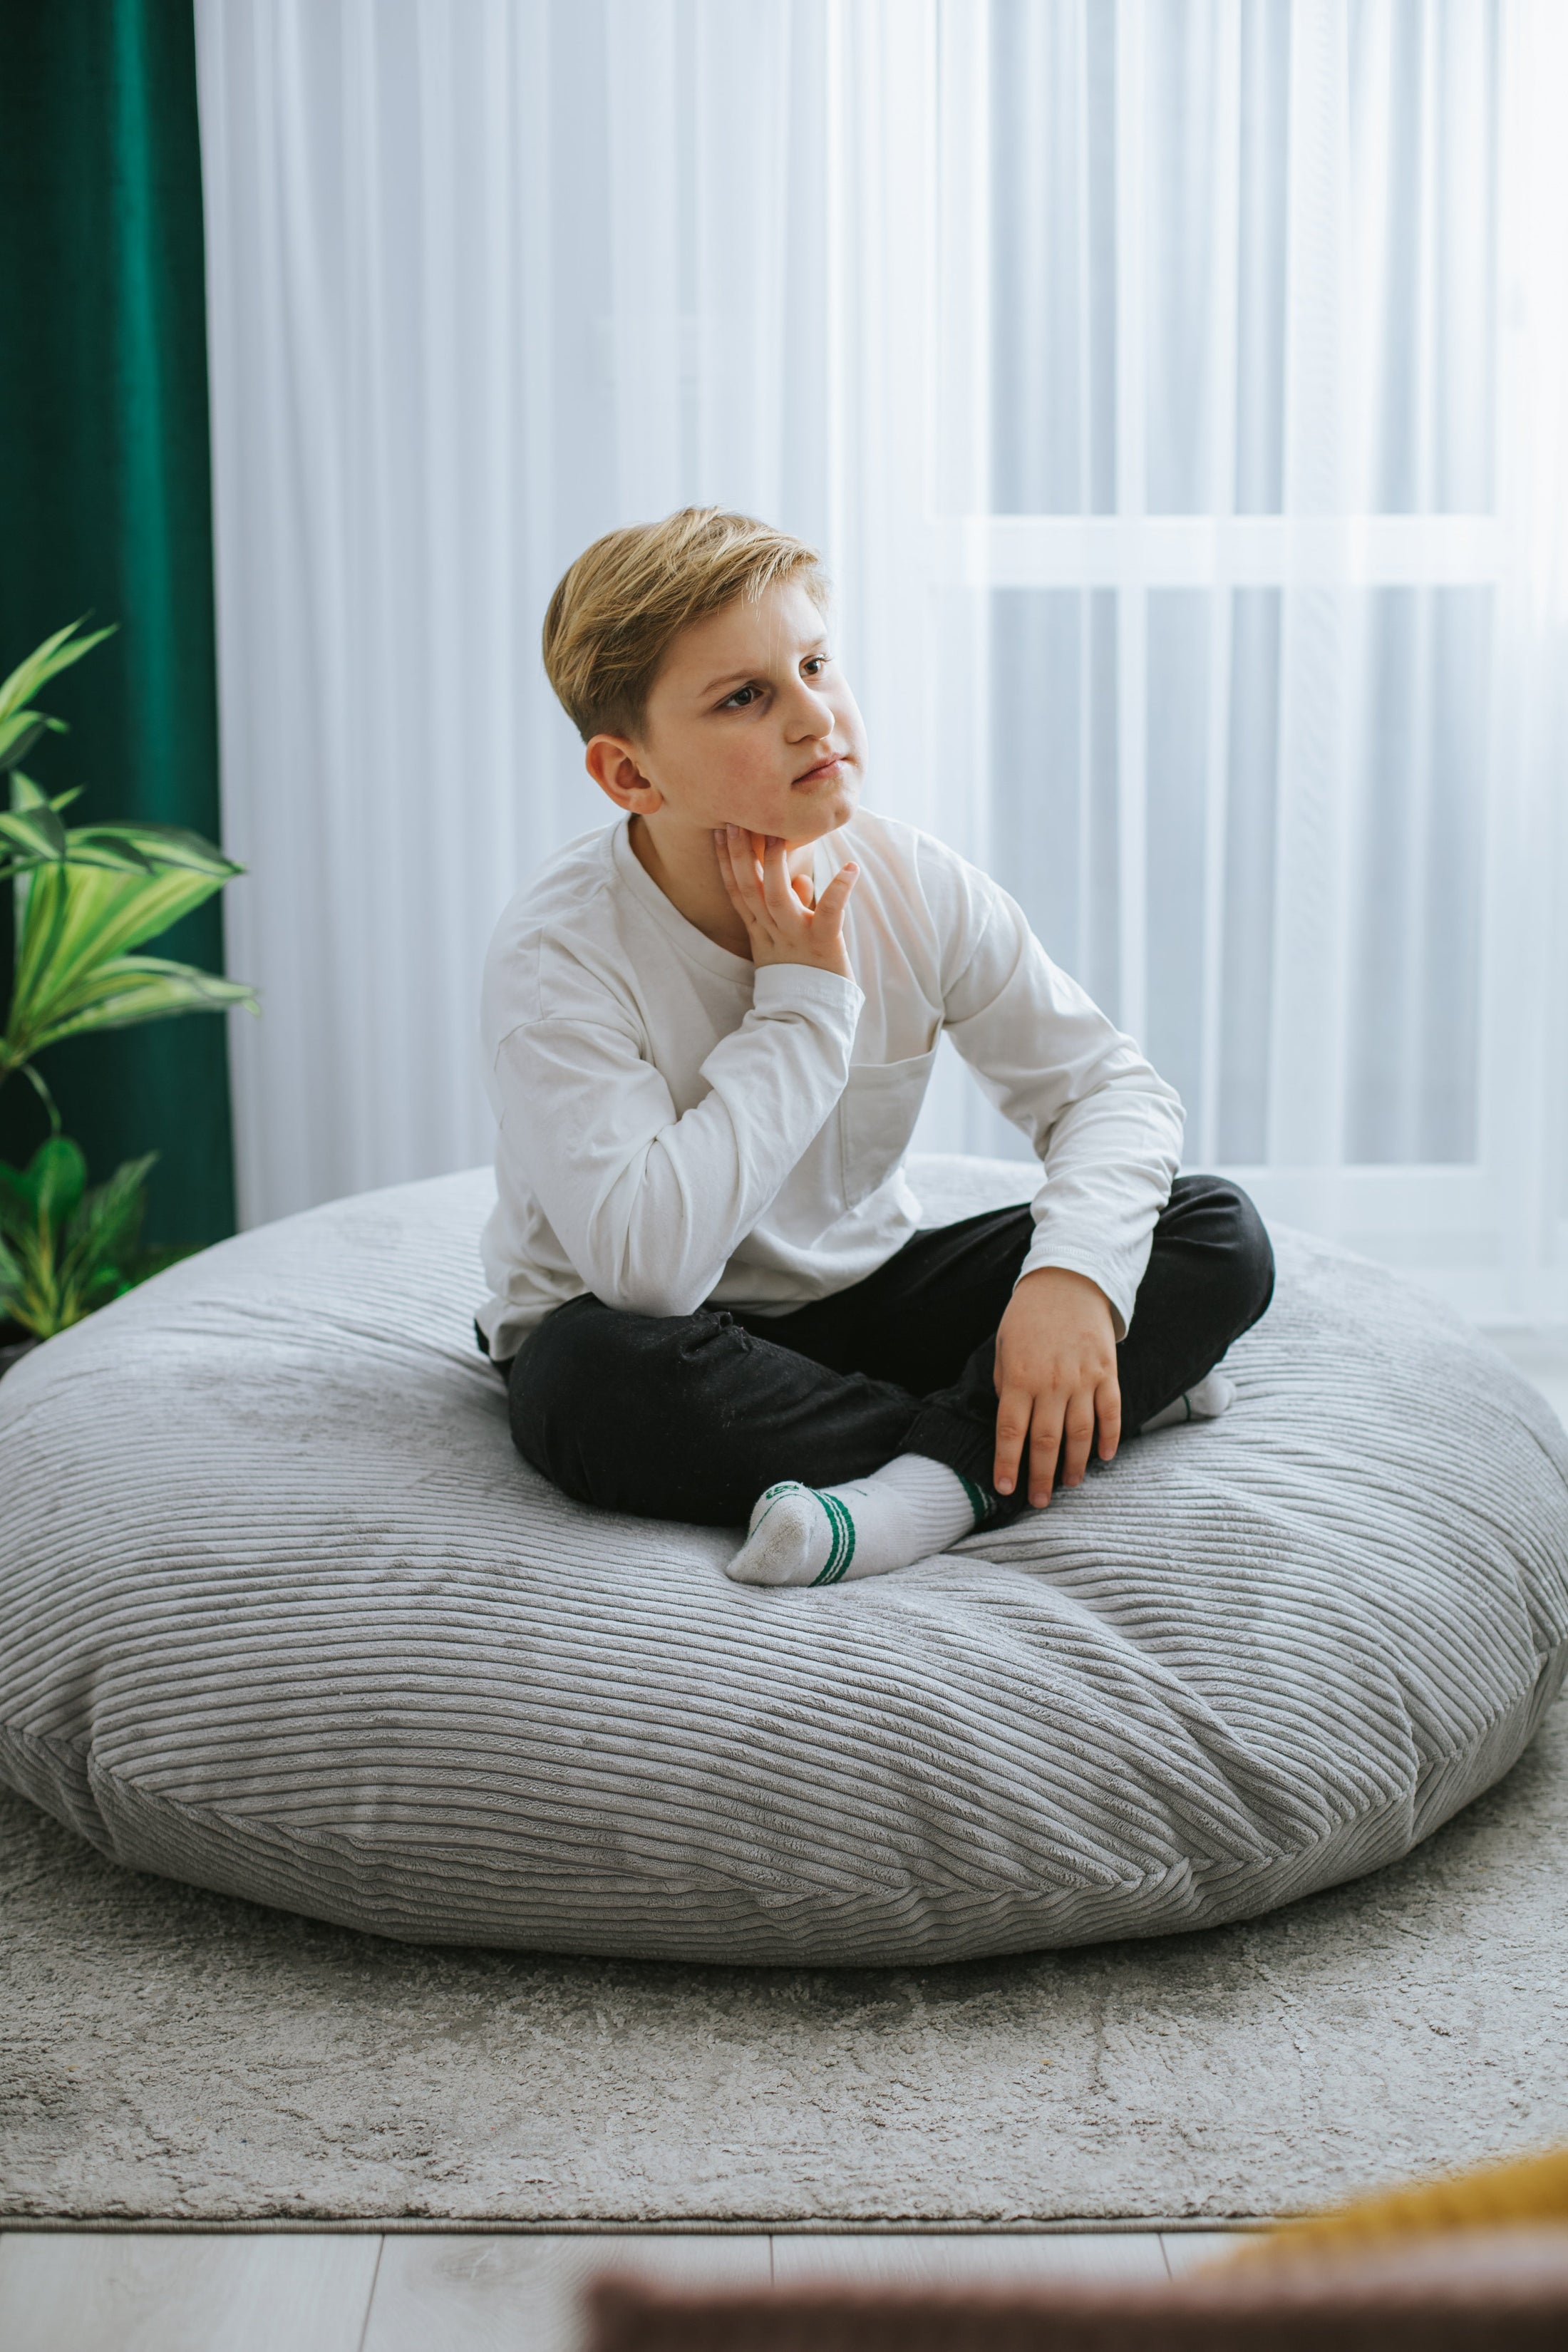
pixel 824 768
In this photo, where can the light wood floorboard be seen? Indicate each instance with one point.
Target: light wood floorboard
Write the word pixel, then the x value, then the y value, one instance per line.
pixel 82 2291
pixel 103 2292
pixel 1187 2250
pixel 522 2294
pixel 1002 2260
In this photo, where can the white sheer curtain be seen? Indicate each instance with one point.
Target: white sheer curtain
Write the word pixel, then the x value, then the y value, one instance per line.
pixel 1176 388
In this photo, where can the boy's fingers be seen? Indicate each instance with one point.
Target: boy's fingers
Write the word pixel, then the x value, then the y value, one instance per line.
pixel 773 890
pixel 782 890
pixel 776 876
pixel 1107 1411
pixel 831 903
pixel 741 852
pixel 735 883
pixel 1045 1445
pixel 1012 1428
pixel 1078 1431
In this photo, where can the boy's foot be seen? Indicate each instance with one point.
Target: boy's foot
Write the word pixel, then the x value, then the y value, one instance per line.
pixel 1212 1394
pixel 821 1535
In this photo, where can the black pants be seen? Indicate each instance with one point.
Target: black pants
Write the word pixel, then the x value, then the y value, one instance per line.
pixel 691 1416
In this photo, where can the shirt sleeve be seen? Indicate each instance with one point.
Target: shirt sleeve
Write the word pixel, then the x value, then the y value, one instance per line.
pixel 1106 1129
pixel 650 1206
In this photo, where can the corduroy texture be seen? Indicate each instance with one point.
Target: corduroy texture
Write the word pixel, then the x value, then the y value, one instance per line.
pixel 281 1612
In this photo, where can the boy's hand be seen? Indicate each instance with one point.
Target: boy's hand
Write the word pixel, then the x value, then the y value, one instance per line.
pixel 784 927
pixel 1055 1371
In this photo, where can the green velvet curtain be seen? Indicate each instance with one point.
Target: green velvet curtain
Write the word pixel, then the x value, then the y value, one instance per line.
pixel 105 507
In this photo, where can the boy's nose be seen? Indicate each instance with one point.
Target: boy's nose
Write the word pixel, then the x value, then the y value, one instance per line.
pixel 814 722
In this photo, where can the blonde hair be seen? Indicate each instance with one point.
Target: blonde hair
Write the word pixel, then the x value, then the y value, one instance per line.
pixel 617 607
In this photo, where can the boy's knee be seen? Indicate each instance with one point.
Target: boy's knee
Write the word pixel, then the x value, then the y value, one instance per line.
pixel 1220 1221
pixel 1248 1259
pixel 564 1379
pixel 590 1368
pixel 575 1355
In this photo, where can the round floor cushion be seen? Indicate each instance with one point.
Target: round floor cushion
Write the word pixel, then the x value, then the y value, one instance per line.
pixel 283 1614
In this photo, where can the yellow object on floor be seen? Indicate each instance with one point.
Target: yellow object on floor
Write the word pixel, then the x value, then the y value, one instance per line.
pixel 1533 2191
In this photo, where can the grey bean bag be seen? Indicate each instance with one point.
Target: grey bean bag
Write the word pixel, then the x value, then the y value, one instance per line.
pixel 282 1612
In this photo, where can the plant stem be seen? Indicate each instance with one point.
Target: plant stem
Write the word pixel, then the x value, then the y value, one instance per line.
pixel 8 1067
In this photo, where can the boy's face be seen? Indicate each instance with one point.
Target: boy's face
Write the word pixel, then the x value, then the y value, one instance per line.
pixel 749 722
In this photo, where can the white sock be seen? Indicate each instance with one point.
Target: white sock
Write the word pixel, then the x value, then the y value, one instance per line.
pixel 1213 1395
pixel 821 1535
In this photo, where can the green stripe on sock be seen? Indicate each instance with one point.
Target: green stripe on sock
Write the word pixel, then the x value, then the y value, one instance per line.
pixel 846 1551
pixel 842 1549
pixel 829 1572
pixel 979 1500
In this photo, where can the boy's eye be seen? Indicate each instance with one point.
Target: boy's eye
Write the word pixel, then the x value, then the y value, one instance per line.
pixel 744 696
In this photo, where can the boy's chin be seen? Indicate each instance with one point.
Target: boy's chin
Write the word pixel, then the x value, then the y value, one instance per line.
pixel 811 812
pixel 825 810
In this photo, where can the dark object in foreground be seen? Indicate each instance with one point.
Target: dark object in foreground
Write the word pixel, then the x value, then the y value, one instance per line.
pixel 1468 2293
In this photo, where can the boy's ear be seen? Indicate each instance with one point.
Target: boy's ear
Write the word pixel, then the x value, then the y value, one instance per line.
pixel 611 761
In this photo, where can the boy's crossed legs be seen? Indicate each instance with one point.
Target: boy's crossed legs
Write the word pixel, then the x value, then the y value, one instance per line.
pixel 694 1416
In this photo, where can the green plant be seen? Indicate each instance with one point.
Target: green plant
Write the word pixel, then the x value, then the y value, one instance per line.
pixel 86 895
pixel 65 1249
pixel 86 898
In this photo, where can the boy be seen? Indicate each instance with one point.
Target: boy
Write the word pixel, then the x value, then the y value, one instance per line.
pixel 708 1029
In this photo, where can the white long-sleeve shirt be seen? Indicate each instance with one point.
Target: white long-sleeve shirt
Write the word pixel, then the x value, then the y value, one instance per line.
pixel 676 1126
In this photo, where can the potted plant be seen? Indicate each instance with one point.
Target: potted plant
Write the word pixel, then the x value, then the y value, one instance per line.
pixel 87 898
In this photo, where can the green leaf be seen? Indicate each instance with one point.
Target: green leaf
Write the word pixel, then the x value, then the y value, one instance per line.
pixel 46 661
pixel 20 1191
pixel 58 1175
pixel 35 832
pixel 31 1298
pixel 123 990
pixel 106 1214
pixel 157 844
pixel 145 843
pixel 18 1202
pixel 110 856
pixel 19 1297
pixel 19 733
pixel 102 1234
pixel 86 897
pixel 68 1250
pixel 74 920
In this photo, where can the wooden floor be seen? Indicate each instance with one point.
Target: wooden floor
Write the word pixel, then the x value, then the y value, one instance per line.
pixel 81 2290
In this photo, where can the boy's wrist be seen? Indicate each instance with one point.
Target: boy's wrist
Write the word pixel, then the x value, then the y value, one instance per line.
pixel 778 982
